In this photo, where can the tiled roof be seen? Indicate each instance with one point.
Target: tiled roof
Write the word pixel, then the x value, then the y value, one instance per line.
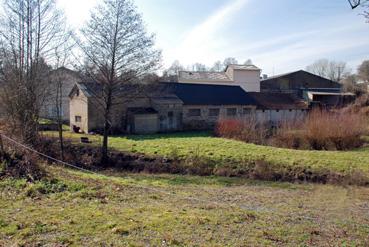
pixel 204 76
pixel 243 67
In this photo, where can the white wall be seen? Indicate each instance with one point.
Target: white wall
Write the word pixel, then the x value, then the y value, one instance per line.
pixel 278 116
pixel 249 80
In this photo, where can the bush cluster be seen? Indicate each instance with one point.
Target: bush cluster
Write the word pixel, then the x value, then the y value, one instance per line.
pixel 320 130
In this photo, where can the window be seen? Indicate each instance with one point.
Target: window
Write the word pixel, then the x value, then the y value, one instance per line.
pixel 214 112
pixel 231 112
pixel 277 110
pixel 194 112
pixel 247 111
pixel 78 119
pixel 77 92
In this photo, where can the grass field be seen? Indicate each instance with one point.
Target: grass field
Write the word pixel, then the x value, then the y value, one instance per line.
pixel 166 210
pixel 226 152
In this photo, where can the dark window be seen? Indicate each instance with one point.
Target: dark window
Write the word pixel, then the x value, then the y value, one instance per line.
pixel 214 112
pixel 231 112
pixel 78 119
pixel 194 112
pixel 277 110
pixel 247 111
pixel 290 110
pixel 77 92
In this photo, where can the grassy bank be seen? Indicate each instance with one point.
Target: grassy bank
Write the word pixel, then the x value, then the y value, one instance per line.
pixel 140 210
pixel 224 152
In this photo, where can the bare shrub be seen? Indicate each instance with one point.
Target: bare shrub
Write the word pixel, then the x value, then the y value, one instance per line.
pixel 246 129
pixel 289 135
pixel 339 130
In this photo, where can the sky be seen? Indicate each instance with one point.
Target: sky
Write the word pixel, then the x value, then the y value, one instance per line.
pixel 278 36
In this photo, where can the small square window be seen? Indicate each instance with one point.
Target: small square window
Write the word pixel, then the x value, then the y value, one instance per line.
pixel 231 112
pixel 194 112
pixel 78 119
pixel 214 112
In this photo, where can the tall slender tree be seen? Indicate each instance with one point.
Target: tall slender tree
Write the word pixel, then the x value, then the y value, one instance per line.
pixel 30 30
pixel 117 49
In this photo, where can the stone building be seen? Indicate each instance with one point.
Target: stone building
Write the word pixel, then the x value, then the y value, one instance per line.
pixel 177 106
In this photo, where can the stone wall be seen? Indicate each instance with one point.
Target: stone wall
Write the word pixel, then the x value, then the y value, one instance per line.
pixel 208 117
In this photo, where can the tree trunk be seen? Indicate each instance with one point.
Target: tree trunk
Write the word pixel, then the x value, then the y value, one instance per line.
pixel 104 151
pixel 104 154
pixel 60 128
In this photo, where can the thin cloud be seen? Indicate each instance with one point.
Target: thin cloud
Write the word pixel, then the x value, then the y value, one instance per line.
pixel 199 44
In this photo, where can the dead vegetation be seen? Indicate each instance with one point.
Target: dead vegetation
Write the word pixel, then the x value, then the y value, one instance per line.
pixel 320 130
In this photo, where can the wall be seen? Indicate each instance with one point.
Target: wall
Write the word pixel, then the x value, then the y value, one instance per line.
pixel 275 116
pixel 170 114
pixel 79 107
pixel 146 124
pixel 249 80
pixel 67 79
pixel 205 121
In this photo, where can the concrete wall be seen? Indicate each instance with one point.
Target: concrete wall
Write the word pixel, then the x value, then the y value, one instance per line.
pixel 249 80
pixel 275 116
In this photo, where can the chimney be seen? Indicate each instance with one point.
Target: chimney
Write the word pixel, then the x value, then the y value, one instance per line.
pixel 265 76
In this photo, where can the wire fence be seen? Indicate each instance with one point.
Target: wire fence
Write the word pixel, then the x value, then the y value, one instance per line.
pixel 16 143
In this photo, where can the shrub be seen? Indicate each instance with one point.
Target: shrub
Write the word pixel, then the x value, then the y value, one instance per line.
pixel 21 166
pixel 338 130
pixel 246 129
pixel 289 134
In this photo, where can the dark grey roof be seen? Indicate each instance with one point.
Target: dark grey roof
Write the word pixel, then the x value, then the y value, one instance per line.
pixel 303 72
pixel 203 94
pixel 277 101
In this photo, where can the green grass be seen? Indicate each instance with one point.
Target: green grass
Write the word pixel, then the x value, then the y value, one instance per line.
pixel 77 209
pixel 226 152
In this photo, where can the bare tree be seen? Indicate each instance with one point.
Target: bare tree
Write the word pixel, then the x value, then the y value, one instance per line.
pixel 363 71
pixel 217 67
pixel 198 67
pixel 248 62
pixel 332 70
pixel 229 61
pixel 174 68
pixel 117 50
pixel 29 32
pixel 58 93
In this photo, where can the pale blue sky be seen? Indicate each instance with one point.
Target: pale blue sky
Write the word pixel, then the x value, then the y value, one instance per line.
pixel 278 35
